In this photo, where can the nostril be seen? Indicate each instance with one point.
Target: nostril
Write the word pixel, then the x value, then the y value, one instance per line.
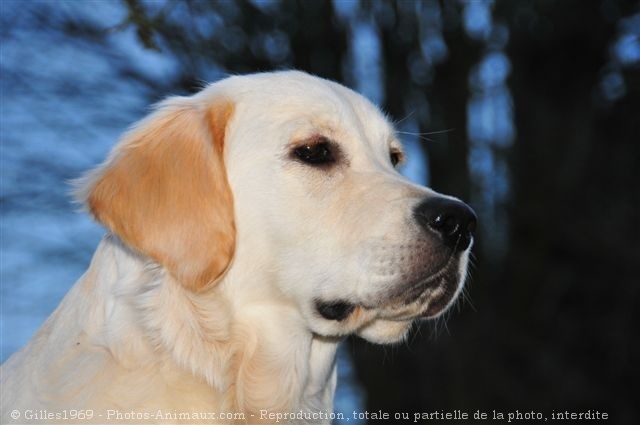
pixel 447 224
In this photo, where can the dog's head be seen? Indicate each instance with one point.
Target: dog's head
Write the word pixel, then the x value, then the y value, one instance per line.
pixel 282 188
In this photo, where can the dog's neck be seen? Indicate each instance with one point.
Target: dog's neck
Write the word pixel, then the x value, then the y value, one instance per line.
pixel 241 350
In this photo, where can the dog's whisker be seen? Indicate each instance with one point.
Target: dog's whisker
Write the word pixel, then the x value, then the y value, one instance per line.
pixel 423 135
pixel 406 117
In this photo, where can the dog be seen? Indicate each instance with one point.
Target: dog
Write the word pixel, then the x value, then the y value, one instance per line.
pixel 251 227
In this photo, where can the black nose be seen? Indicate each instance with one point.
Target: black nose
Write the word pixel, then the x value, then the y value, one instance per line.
pixel 453 220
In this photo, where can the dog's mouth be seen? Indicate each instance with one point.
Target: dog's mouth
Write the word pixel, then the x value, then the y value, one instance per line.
pixel 427 297
pixel 335 310
pixel 424 297
pixel 433 284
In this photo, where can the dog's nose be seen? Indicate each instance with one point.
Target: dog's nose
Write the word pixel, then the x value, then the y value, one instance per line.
pixel 453 220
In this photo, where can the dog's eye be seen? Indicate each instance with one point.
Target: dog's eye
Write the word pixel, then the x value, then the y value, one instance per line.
pixel 395 157
pixel 318 153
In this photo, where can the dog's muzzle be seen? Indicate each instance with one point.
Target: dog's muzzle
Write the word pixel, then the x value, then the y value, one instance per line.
pixel 449 226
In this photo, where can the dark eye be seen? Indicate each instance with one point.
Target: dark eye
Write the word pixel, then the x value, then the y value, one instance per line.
pixel 395 158
pixel 317 153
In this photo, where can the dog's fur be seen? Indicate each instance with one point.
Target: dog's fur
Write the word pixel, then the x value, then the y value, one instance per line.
pixel 222 243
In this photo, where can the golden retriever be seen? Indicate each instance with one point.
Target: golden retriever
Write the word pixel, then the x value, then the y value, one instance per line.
pixel 251 227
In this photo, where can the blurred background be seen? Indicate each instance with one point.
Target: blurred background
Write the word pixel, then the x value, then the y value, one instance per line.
pixel 528 110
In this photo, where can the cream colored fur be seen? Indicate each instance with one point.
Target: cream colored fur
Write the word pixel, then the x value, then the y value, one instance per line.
pixel 201 296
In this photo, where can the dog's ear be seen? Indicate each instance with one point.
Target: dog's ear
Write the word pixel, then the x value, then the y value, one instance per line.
pixel 164 190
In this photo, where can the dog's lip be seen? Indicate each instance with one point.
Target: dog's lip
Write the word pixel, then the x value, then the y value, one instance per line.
pixel 429 291
pixel 423 285
pixel 337 310
pixel 427 298
pixel 436 306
